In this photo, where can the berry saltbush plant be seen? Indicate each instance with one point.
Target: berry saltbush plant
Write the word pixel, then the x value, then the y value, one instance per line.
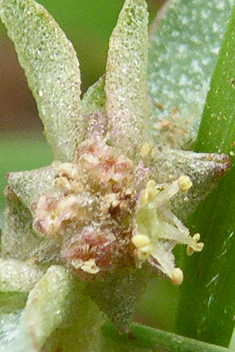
pixel 84 235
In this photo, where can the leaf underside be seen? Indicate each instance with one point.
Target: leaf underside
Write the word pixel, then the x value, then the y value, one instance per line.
pixel 207 305
pixel 184 43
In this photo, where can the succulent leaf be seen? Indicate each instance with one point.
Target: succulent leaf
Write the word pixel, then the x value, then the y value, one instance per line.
pixel 93 110
pixel 47 305
pixel 94 99
pixel 126 79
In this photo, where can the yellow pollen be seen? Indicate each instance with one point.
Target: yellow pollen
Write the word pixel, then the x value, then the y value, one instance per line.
pixel 184 183
pixel 195 246
pixel 146 149
pixel 90 266
pixel 140 241
pixel 177 276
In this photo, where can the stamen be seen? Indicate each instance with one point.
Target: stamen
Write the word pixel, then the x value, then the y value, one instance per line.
pixel 160 230
pixel 177 276
pixel 140 241
pixel 184 183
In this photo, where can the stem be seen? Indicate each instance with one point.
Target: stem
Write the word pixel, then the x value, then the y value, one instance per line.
pixel 150 339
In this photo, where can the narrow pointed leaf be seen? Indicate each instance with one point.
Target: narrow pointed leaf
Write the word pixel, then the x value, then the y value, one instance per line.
pixel 93 110
pixel 184 42
pixel 207 305
pixel 51 68
pixel 126 78
pixel 94 99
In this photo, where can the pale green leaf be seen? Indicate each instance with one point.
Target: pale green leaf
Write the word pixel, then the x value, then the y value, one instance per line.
pixel 47 306
pixel 94 99
pixel 93 110
pixel 126 78
pixel 184 43
pixel 51 68
pixel 118 297
pixel 18 276
pixel 18 239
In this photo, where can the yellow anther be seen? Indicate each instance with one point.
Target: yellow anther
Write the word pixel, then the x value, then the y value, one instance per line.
pixel 184 183
pixel 195 246
pixel 177 276
pixel 140 241
pixel 189 250
pixel 77 263
pixel 149 193
pixel 146 149
pixel 196 237
pixel 90 266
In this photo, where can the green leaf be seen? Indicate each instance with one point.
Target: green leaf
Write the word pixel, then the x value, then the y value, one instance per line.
pixel 207 305
pixel 217 129
pixel 126 78
pixel 93 109
pixel 184 43
pixel 51 68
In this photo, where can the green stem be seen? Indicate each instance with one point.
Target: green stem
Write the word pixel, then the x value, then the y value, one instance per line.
pixel 147 339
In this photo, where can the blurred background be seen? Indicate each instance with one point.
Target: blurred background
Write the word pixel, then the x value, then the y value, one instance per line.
pixel 88 24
